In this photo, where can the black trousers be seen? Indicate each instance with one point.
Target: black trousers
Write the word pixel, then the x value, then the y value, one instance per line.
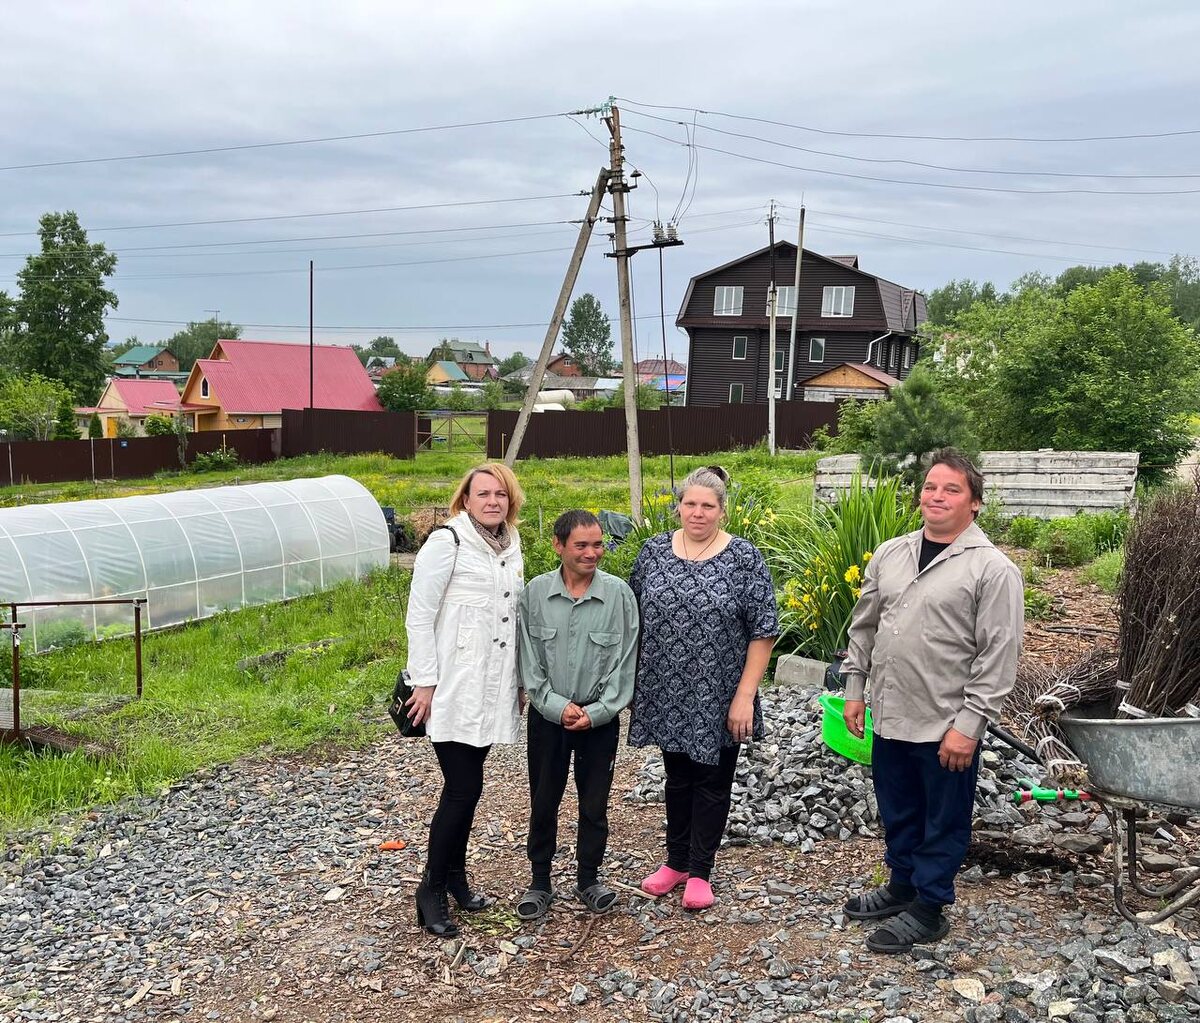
pixel 462 774
pixel 550 749
pixel 698 797
pixel 926 812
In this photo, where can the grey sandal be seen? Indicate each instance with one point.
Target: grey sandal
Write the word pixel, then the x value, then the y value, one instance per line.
pixel 900 933
pixel 874 905
pixel 534 904
pixel 599 898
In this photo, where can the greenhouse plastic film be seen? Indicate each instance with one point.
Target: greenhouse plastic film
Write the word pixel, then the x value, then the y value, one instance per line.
pixel 190 554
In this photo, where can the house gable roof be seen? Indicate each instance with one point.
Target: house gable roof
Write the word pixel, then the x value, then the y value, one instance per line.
pixel 872 374
pixel 141 397
pixel 257 377
pixel 465 351
pixel 452 370
pixel 891 295
pixel 139 355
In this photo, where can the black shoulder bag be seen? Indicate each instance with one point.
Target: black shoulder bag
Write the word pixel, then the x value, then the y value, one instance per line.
pixel 403 691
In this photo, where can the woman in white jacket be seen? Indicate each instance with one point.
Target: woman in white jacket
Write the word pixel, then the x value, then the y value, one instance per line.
pixel 462 660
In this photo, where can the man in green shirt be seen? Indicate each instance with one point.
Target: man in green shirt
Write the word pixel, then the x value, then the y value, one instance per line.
pixel 578 631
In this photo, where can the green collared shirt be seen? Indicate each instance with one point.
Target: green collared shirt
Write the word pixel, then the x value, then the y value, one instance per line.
pixel 577 651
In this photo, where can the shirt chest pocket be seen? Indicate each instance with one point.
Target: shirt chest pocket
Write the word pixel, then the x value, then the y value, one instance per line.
pixel 603 649
pixel 544 636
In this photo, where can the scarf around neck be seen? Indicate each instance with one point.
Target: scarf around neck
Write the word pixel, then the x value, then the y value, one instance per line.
pixel 497 541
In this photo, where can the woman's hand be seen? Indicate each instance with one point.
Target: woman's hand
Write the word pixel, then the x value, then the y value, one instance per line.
pixel 741 718
pixel 521 701
pixel 419 703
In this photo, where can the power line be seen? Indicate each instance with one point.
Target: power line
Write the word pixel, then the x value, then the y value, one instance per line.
pixel 309 216
pixel 920 138
pixel 277 145
pixel 923 184
pixel 916 163
pixel 168 249
pixel 331 328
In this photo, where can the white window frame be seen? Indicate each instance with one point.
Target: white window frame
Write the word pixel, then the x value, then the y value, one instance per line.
pixel 780 360
pixel 837 300
pixel 782 306
pixel 893 356
pixel 741 398
pixel 745 340
pixel 812 341
pixel 908 356
pixel 204 387
pixel 728 300
pixel 778 387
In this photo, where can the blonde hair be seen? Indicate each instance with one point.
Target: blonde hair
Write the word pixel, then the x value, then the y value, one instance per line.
pixel 503 475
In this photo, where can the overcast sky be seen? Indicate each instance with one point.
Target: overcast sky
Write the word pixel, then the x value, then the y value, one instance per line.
pixel 85 81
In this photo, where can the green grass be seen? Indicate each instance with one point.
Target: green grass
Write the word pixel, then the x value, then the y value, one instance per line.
pixel 1105 571
pixel 199 709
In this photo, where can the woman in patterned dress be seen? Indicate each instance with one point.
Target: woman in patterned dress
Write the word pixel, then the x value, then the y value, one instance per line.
pixel 708 625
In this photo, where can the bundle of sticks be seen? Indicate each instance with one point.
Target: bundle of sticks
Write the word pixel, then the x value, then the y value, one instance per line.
pixel 1043 692
pixel 1159 609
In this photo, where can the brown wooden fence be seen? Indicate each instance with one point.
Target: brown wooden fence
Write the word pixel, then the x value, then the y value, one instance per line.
pixel 310 431
pixel 691 431
pixel 60 461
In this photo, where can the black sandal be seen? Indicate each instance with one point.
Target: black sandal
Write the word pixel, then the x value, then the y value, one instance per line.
pixel 875 905
pixel 534 904
pixel 599 898
pixel 900 933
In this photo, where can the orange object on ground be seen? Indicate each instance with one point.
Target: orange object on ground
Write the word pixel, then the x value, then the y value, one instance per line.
pixel 394 845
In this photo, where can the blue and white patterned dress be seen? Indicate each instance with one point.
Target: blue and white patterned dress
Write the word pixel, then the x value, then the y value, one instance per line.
pixel 698 618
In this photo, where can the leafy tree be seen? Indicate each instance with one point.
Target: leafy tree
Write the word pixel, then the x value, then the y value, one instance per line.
pixel 645 396
pixel 404 389
pixel 95 429
pixel 458 400
pixel 60 310
pixel 31 407
pixel 917 420
pixel 946 302
pixel 126 427
pixel 66 426
pixel 492 395
pixel 159 424
pixel 8 325
pixel 196 340
pixel 386 346
pixel 514 362
pixel 1106 367
pixel 587 337
pixel 127 345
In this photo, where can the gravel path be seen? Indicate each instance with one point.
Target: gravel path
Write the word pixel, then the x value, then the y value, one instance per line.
pixel 258 891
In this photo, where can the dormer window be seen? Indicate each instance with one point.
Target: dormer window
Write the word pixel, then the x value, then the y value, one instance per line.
pixel 204 387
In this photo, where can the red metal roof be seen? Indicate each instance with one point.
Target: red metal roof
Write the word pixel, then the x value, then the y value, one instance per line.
pixel 269 376
pixel 140 395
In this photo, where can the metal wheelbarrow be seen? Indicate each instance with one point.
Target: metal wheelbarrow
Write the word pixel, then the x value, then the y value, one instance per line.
pixel 1133 765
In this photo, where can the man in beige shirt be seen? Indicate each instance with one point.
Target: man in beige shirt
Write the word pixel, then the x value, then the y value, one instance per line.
pixel 936 632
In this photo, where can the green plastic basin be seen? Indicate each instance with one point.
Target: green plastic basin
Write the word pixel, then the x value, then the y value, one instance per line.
pixel 837 737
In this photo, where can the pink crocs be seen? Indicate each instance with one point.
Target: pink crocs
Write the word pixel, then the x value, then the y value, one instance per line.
pixel 698 894
pixel 663 880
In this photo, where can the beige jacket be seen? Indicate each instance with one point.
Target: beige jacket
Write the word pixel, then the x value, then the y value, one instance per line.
pixel 939 647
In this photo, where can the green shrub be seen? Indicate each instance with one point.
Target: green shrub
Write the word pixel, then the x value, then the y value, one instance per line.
pixel 159 425
pixel 1108 528
pixel 1023 531
pixel 1066 542
pixel 1105 571
pixel 818 557
pixel 591 405
pixel 1038 603
pixel 992 518
pixel 213 461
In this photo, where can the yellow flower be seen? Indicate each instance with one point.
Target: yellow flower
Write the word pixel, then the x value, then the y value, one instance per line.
pixel 852 574
pixel 857 592
pixel 824 587
pixel 813 626
pixel 808 572
pixel 867 555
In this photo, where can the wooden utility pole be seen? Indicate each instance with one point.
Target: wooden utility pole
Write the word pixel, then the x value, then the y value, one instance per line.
pixel 796 307
pixel 772 303
pixel 617 187
pixel 556 318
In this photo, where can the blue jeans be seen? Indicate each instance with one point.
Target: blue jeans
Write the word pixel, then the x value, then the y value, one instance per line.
pixel 926 812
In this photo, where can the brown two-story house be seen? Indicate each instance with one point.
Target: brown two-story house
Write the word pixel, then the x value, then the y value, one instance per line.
pixel 847 317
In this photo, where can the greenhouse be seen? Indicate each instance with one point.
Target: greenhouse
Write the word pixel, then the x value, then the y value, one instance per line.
pixel 190 554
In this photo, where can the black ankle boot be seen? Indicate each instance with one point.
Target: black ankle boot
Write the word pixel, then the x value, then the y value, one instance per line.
pixel 433 912
pixel 458 885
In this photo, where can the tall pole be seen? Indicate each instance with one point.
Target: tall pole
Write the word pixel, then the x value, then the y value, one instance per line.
pixel 560 308
pixel 617 187
pixel 311 374
pixel 662 319
pixel 772 302
pixel 796 307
